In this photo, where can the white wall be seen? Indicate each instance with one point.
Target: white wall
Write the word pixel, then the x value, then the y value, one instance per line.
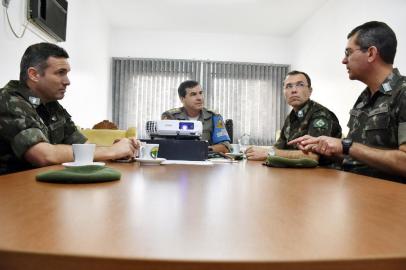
pixel 88 96
pixel 318 48
pixel 11 48
pixel 177 45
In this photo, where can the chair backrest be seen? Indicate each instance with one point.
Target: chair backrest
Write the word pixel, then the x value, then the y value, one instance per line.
pixel 105 124
pixel 229 128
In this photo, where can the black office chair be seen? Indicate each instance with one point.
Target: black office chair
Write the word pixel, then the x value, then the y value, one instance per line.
pixel 229 128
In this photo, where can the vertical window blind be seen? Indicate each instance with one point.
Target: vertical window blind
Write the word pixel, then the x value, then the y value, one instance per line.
pixel 250 94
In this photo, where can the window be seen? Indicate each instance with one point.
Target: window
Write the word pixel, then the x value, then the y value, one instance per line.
pixel 250 94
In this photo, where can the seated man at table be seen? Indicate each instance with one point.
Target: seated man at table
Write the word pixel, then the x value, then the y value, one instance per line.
pixel 214 131
pixel 35 130
pixel 306 117
pixel 376 141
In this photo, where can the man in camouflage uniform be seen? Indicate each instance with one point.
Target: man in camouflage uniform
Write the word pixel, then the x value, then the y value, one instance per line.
pixel 376 142
pixel 35 130
pixel 191 96
pixel 306 117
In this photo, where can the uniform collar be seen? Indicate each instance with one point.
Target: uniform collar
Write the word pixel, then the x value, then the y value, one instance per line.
pixel 388 84
pixel 204 114
pixel 300 114
pixel 25 92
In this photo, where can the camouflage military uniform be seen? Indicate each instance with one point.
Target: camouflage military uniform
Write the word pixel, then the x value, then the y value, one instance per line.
pixel 379 121
pixel 206 117
pixel 24 122
pixel 312 119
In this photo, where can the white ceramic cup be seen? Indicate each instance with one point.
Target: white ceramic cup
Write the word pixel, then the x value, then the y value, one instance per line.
pixel 83 153
pixel 149 151
pixel 235 148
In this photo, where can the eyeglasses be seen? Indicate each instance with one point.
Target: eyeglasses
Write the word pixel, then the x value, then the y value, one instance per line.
pixel 298 85
pixel 349 51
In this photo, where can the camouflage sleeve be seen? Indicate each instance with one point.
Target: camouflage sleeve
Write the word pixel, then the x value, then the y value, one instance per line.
pixel 75 137
pixel 167 116
pixel 72 134
pixel 281 142
pixel 26 139
pixel 226 144
pixel 402 119
pixel 19 126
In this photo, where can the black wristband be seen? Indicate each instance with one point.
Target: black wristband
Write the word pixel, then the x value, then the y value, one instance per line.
pixel 346 143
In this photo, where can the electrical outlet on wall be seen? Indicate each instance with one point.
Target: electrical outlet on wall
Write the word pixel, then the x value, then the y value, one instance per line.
pixel 5 3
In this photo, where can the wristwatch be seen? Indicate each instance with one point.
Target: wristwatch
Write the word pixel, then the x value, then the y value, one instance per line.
pixel 271 151
pixel 346 143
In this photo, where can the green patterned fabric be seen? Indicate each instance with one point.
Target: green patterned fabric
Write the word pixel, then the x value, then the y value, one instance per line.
pixel 25 121
pixel 281 162
pixel 379 121
pixel 79 175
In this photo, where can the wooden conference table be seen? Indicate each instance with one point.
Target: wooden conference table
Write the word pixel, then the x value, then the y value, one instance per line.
pixel 226 216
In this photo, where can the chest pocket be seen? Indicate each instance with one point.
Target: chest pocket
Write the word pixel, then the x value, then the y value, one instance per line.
pixel 355 115
pixel 377 126
pixel 56 131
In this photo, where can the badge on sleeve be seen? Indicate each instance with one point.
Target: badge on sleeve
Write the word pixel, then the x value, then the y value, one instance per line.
pixel 219 132
pixel 320 123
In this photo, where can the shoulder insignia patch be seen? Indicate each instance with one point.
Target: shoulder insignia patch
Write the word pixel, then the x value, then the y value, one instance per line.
pixel 173 111
pixel 320 123
pixel 211 111
pixel 219 123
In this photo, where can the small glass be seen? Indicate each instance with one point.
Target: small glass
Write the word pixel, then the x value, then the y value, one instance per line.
pixel 244 142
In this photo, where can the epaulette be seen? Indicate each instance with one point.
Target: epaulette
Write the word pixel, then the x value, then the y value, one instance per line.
pixel 174 111
pixel 212 111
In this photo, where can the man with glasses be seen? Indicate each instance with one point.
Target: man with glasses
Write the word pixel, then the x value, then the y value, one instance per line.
pixel 376 142
pixel 306 117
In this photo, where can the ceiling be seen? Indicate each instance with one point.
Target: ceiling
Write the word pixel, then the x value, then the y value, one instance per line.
pixel 254 17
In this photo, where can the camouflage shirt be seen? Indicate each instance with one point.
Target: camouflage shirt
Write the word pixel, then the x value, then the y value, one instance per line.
pixel 25 121
pixel 312 119
pixel 379 121
pixel 206 117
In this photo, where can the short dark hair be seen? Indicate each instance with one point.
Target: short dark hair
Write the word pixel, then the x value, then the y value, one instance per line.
pixel 377 34
pixel 37 55
pixel 296 72
pixel 183 86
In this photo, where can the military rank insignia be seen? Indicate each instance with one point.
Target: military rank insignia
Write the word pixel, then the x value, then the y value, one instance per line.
pixel 34 101
pixel 219 123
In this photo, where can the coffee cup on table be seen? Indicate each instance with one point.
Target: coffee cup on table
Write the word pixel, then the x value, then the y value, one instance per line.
pixel 149 151
pixel 83 153
pixel 235 148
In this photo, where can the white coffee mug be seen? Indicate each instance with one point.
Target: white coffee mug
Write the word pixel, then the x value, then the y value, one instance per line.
pixel 149 151
pixel 83 153
pixel 235 148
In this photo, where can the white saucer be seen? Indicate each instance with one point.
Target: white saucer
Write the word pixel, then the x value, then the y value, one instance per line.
pixel 149 161
pixel 234 155
pixel 73 164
